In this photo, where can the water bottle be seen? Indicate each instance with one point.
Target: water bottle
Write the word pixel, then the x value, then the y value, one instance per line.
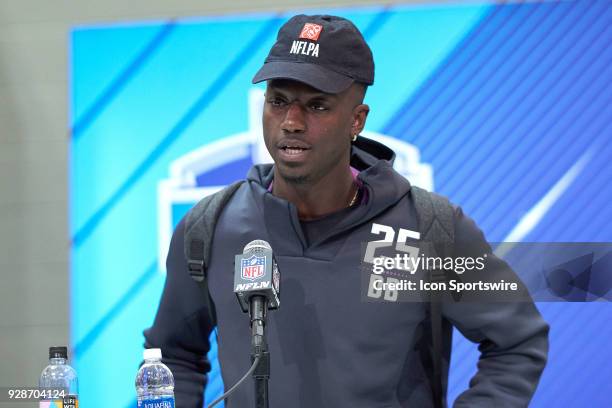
pixel 58 383
pixel 154 382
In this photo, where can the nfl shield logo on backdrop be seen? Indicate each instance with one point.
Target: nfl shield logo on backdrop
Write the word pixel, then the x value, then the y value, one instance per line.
pixel 253 267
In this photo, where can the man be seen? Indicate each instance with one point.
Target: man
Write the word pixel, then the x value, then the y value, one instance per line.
pixel 316 205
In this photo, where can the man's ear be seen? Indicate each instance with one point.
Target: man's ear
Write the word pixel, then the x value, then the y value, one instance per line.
pixel 360 114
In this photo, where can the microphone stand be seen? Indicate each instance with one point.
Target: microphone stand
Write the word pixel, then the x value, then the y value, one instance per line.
pixel 261 375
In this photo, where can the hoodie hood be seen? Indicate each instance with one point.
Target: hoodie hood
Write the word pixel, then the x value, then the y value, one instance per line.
pixel 366 152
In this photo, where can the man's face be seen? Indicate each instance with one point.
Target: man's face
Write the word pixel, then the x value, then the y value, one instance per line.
pixel 307 132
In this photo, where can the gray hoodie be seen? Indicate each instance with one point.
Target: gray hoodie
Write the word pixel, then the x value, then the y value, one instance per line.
pixel 328 347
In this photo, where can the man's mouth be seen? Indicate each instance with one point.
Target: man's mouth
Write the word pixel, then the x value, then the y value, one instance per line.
pixel 292 150
pixel 293 147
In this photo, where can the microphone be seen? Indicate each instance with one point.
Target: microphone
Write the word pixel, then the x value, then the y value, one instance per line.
pixel 256 275
pixel 256 284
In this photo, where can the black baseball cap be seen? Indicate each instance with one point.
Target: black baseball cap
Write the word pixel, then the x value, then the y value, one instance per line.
pixel 326 52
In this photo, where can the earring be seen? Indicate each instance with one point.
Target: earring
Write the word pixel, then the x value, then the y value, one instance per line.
pixel 354 137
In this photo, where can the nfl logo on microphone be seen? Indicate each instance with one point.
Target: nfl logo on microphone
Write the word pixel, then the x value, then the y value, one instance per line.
pixel 253 267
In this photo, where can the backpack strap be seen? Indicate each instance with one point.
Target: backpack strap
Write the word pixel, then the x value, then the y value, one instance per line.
pixel 200 225
pixel 436 226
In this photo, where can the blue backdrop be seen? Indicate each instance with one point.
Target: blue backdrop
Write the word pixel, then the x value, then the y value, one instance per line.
pixel 508 106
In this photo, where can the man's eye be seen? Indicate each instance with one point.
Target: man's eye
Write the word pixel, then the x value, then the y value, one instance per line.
pixel 318 107
pixel 276 102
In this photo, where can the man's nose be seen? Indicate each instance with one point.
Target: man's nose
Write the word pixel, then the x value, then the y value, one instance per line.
pixel 294 119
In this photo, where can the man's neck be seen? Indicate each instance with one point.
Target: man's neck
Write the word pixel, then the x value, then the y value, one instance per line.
pixel 315 200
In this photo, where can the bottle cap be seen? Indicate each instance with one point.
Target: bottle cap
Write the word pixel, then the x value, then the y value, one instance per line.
pixel 152 354
pixel 58 352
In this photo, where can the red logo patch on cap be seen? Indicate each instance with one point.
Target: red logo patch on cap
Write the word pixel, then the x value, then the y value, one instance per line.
pixel 311 31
